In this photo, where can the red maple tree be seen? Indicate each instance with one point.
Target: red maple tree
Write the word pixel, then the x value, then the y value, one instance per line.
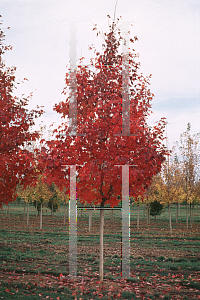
pixel 16 163
pixel 100 145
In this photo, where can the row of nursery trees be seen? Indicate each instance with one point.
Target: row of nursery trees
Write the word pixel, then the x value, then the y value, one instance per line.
pixel 42 195
pixel 179 179
pixel 97 140
pixel 176 183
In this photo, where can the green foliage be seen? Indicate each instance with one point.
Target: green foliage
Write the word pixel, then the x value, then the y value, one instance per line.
pixel 55 205
pixel 170 259
pixel 161 258
pixel 38 205
pixel 156 208
pixel 18 199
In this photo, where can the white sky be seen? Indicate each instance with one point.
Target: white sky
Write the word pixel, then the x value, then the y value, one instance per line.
pixel 169 47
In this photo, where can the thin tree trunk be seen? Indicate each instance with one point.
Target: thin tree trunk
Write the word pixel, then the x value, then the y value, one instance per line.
pixel 138 216
pixel 186 215
pixel 24 208
pixel 170 220
pixel 147 209
pixel 177 212
pixel 190 215
pixel 193 214
pixel 81 213
pixel 101 245
pixel 90 219
pixel 179 209
pixel 27 221
pixel 144 211
pixel 52 209
pixel 64 213
pixel 41 217
pixel 149 215
pixel 36 209
pixel 6 210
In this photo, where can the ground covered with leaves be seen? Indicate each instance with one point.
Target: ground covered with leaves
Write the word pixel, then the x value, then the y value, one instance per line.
pixel 35 262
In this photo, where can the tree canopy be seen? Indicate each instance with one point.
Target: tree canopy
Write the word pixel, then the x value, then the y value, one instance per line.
pixel 100 145
pixel 16 163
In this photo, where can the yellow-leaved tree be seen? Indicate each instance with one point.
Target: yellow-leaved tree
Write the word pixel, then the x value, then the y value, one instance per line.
pixel 27 194
pixel 189 159
pixel 41 195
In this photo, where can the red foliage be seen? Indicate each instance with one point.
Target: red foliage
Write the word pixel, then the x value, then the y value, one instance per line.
pixel 99 118
pixel 15 121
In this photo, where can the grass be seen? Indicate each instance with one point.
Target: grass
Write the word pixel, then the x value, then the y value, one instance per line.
pixel 26 249
pixel 23 291
pixel 43 261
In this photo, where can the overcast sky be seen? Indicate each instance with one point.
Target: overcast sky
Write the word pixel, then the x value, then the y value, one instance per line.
pixel 168 34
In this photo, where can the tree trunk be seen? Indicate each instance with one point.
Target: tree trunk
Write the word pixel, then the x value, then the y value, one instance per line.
pixel 27 221
pixel 190 215
pixel 36 209
pixel 149 215
pixel 144 211
pixel 186 215
pixel 138 216
pixel 52 209
pixel 177 212
pixel 24 208
pixel 147 209
pixel 90 219
pixel 193 213
pixel 179 209
pixel 81 213
pixel 101 245
pixel 112 215
pixel 170 220
pixel 41 217
pixel 6 210
pixel 64 213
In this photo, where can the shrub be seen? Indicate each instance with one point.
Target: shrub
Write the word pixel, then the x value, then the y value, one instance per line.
pixel 161 258
pixel 156 208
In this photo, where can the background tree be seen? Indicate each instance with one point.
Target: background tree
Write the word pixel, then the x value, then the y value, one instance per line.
pixel 168 188
pixel 153 194
pixel 178 179
pixel 189 159
pixel 41 195
pixel 15 124
pixel 156 208
pixel 99 102
pixel 54 200
pixel 65 199
pixel 57 197
pixel 137 202
pixel 162 190
pixel 27 195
